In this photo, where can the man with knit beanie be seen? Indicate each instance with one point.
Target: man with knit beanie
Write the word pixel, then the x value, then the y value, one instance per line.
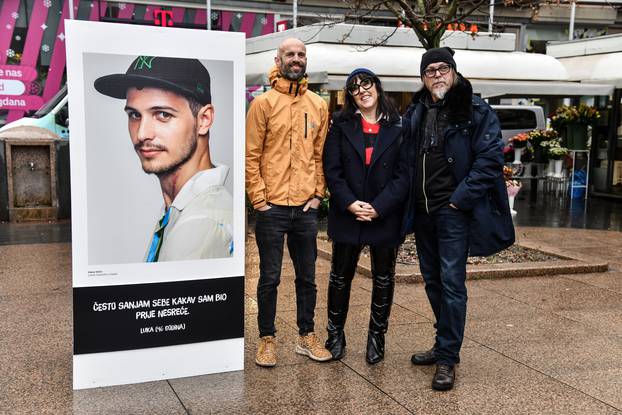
pixel 458 203
pixel 285 132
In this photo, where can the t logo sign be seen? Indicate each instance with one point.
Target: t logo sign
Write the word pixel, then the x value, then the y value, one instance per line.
pixel 163 17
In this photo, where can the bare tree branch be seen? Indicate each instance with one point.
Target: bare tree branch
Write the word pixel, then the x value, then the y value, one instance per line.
pixel 428 19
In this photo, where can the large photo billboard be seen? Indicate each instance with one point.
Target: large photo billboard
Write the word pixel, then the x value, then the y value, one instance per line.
pixel 157 169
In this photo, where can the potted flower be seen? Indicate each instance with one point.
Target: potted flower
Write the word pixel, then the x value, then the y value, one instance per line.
pixel 508 153
pixel 558 154
pixel 512 186
pixel 537 137
pixel 546 146
pixel 518 143
pixel 572 122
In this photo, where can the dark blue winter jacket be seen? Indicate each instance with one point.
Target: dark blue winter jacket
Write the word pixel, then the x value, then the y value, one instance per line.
pixel 474 151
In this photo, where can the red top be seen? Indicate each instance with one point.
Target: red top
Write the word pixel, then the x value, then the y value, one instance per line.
pixel 370 134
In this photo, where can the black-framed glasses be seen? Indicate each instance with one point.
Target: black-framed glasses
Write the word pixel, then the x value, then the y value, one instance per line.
pixel 355 89
pixel 443 70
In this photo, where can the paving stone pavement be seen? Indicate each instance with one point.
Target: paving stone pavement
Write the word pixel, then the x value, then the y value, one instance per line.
pixel 538 345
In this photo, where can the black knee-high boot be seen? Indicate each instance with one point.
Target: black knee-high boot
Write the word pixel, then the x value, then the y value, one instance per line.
pixel 343 266
pixel 383 273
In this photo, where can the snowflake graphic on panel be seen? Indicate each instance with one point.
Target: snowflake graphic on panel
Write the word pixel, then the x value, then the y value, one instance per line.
pixel 8 27
pixel 47 3
pixel 239 15
pixel 10 53
pixel 15 15
pixel 45 48
pixel 122 6
pixel 34 88
pixel 263 20
pixel 18 38
pixel 214 15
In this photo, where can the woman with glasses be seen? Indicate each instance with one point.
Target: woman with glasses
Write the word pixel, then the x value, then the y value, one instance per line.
pixel 367 178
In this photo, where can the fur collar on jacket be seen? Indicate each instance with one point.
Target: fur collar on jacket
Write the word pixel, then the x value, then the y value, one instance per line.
pixel 459 99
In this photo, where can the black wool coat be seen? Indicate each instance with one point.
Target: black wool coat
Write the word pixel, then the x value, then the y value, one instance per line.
pixel 384 183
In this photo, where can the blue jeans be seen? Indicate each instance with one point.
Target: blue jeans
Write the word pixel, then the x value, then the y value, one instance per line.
pixel 442 239
pixel 301 229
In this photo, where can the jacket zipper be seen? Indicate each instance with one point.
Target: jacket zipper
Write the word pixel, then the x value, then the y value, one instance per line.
pixel 425 196
pixel 305 125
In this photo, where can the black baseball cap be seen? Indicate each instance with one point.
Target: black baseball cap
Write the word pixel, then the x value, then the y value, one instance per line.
pixel 187 77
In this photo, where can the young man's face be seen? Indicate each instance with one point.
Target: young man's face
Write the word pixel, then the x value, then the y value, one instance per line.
pixel 162 128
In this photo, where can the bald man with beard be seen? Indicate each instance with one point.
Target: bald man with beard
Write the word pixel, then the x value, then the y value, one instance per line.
pixel 285 132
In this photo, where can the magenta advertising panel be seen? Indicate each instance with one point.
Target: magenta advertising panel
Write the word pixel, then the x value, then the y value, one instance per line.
pixel 32 40
pixel 15 88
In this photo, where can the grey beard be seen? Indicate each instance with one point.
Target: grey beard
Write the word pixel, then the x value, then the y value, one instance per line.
pixel 440 94
pixel 293 76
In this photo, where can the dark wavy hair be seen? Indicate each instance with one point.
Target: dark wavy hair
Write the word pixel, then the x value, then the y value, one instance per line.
pixel 385 106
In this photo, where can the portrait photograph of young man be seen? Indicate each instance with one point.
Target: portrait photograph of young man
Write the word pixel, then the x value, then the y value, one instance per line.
pixel 161 131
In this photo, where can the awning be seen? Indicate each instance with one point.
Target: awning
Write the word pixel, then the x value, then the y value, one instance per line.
pixel 492 88
pixel 491 73
pixel 341 59
pixel 489 88
pixel 603 68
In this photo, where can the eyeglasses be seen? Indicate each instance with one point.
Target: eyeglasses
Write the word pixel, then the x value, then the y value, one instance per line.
pixel 355 89
pixel 443 70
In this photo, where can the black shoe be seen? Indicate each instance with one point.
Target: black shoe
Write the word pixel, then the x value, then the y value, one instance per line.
pixel 375 347
pixel 444 378
pixel 424 358
pixel 336 344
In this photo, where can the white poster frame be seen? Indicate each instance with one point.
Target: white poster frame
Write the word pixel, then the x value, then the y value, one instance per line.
pixel 155 363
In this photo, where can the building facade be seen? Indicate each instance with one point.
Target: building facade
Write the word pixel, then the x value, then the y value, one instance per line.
pixel 32 39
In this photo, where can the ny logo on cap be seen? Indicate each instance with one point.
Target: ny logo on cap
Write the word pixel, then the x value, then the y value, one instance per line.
pixel 200 88
pixel 143 61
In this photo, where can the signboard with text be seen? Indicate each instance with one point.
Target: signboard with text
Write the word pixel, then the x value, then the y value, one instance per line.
pixel 158 270
pixel 14 80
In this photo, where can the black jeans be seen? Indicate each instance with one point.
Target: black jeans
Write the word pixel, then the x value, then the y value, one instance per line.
pixel 301 229
pixel 442 246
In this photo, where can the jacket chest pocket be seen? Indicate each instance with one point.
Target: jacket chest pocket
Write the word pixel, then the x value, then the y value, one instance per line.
pixel 308 133
pixel 310 126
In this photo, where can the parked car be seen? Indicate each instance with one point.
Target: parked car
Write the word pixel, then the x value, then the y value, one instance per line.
pixel 516 119
pixel 53 116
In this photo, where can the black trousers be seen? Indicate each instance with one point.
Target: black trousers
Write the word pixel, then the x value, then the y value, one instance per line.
pixel 343 267
pixel 301 229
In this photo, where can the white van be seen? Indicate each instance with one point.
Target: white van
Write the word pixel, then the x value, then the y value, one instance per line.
pixel 516 119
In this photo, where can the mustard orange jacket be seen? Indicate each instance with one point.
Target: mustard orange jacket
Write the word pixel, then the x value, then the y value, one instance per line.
pixel 285 132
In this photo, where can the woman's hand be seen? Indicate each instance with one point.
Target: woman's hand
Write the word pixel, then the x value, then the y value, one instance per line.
pixel 363 211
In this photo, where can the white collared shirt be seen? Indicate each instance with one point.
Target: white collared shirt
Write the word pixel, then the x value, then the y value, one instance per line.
pixel 200 219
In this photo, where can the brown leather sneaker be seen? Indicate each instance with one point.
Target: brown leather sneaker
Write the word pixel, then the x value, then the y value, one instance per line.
pixel 310 345
pixel 266 351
